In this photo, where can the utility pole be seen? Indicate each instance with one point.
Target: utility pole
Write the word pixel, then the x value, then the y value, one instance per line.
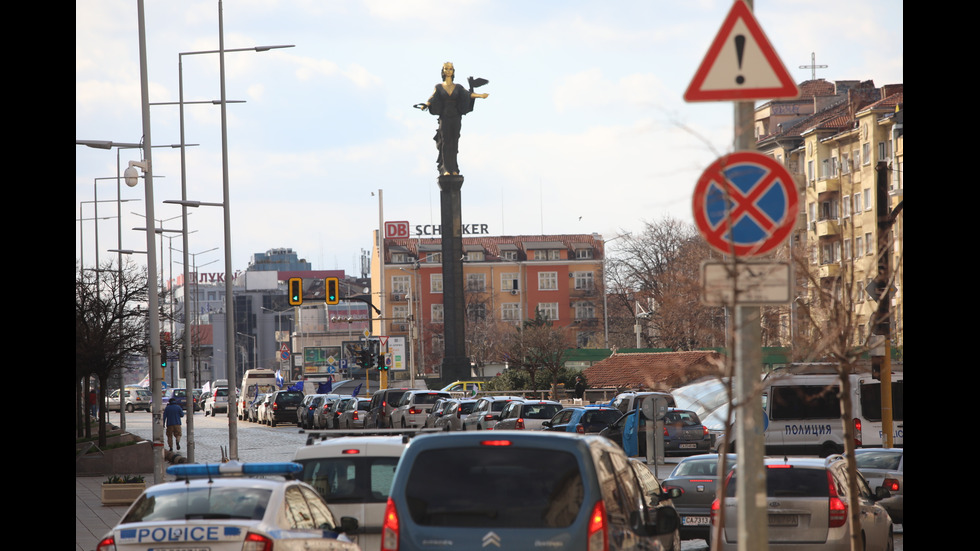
pixel 881 347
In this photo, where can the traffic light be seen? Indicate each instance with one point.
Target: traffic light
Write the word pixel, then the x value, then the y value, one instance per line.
pixel 365 357
pixel 382 366
pixel 333 290
pixel 295 291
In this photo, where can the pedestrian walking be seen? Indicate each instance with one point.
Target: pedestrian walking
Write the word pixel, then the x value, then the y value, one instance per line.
pixel 579 388
pixel 171 419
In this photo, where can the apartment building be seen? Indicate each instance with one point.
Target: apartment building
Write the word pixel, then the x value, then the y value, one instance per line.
pixel 837 148
pixel 506 280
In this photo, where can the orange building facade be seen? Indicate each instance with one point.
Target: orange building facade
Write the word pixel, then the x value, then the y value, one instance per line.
pixel 506 280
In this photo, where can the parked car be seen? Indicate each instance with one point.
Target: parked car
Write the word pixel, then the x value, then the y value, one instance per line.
pixel 437 411
pixel 456 411
pixel 657 497
pixel 332 420
pixel 354 413
pixel 519 490
pixel 486 412
pixel 527 414
pixel 885 467
pixel 179 395
pixel 221 509
pixel 306 409
pixel 262 410
pixel 414 406
pixel 383 402
pixel 320 414
pixel 582 419
pixel 683 433
pixel 217 402
pixel 696 478
pixel 282 406
pixel 136 398
pixel 807 506
pixel 354 474
pixel 252 413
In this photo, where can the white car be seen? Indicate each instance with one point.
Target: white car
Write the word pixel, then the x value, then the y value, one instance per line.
pixel 354 474
pixel 414 407
pixel 527 414
pixel 217 402
pixel 219 507
pixel 136 398
pixel 486 412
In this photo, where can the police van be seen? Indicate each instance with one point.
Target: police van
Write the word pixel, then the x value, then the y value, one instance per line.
pixel 802 405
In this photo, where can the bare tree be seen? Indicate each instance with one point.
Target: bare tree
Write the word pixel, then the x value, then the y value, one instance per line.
pixel 110 326
pixel 660 267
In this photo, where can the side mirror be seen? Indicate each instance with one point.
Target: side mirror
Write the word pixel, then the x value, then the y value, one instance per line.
pixel 881 493
pixel 546 424
pixel 348 525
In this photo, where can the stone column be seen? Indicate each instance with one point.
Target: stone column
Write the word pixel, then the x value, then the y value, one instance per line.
pixel 455 364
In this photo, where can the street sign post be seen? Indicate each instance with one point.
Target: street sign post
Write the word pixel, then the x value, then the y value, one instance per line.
pixel 745 204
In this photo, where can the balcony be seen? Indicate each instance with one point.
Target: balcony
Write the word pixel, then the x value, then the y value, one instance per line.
pixel 827 228
pixel 828 270
pixel 827 184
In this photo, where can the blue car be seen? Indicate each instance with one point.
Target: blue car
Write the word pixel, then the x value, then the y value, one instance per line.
pixel 582 419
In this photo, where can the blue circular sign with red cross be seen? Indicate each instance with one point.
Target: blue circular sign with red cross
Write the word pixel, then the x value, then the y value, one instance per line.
pixel 745 204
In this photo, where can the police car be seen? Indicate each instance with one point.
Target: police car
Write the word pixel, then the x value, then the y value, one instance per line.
pixel 225 507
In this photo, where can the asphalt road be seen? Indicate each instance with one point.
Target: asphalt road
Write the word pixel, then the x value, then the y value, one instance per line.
pixel 263 443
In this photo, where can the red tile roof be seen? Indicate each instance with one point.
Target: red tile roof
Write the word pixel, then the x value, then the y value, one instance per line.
pixel 654 371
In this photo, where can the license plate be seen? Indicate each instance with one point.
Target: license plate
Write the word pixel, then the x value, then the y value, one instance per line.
pixel 687 446
pixel 695 521
pixel 783 520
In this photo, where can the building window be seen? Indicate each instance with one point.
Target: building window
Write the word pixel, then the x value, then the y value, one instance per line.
pixel 509 281
pixel 508 255
pixel 433 257
pixel 548 281
pixel 858 246
pixel 584 310
pixel 474 256
pixel 583 281
pixel 477 312
pixel 869 244
pixel 400 313
pixel 476 282
pixel 867 199
pixel 437 313
pixel 583 254
pixel 547 254
pixel 435 283
pixel 848 253
pixel 549 310
pixel 399 258
pixel 510 311
pixel 809 171
pixel 857 203
pixel 866 153
pixel 401 284
pixel 845 163
pixel 845 206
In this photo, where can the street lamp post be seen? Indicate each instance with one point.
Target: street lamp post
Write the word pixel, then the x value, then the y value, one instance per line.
pixel 605 294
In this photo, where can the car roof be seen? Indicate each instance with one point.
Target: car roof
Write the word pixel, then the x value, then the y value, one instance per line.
pixel 392 446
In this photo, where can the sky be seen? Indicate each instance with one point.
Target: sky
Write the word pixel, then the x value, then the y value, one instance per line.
pixel 585 129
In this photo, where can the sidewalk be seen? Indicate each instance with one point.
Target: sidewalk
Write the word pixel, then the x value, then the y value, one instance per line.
pixel 92 519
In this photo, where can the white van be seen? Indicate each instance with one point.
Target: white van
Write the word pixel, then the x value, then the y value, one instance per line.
pixel 255 382
pixel 802 406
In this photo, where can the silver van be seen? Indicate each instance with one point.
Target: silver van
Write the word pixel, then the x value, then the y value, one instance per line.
pixel 520 490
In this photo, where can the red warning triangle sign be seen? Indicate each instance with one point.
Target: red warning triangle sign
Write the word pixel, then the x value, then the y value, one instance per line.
pixel 741 64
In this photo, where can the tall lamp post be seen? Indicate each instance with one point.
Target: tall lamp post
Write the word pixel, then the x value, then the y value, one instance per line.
pixel 605 294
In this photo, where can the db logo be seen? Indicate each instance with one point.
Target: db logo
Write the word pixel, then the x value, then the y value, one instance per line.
pixel 396 230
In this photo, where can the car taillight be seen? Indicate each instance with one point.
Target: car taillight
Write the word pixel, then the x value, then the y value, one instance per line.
pixel 256 542
pixel 838 509
pixel 715 507
pixel 579 428
pixel 520 424
pixel 858 439
pixel 598 534
pixel 891 484
pixel 389 528
pixel 355 416
pixel 705 430
pixel 414 411
pixel 107 544
pixel 275 406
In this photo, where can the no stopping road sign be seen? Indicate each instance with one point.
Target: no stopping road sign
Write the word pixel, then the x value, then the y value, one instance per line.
pixel 745 204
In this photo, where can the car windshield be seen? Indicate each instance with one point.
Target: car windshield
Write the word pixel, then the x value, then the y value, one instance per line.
pixel 697 467
pixel 351 479
pixel 495 487
pixel 143 393
pixel 466 407
pixel 878 460
pixel 221 392
pixel 211 502
pixel 428 398
pixel 682 418
pixel 540 411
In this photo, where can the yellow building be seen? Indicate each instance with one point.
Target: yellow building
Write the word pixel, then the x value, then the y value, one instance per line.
pixel 505 280
pixel 837 151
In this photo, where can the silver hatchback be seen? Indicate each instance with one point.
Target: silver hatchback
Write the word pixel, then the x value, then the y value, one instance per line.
pixel 807 501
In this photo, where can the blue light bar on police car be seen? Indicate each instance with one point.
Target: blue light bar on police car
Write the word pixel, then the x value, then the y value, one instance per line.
pixel 233 468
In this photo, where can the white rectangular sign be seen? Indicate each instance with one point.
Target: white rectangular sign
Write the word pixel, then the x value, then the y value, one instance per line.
pixel 758 283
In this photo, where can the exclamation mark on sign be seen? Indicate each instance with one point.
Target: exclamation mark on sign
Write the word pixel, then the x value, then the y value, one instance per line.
pixel 739 51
